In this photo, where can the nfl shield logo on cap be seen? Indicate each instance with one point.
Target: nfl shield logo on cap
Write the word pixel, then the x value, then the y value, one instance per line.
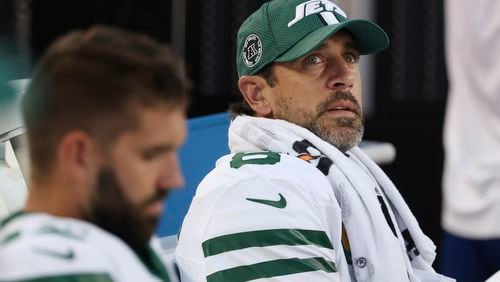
pixel 252 50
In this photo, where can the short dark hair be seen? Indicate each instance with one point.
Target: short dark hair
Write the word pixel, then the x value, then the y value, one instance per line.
pixel 93 81
pixel 241 107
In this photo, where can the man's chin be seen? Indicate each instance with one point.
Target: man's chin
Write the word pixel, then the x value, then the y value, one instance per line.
pixel 150 225
pixel 343 138
pixel 138 239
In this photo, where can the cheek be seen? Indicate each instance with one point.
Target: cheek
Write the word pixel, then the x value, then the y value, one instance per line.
pixel 358 90
pixel 135 182
pixel 293 95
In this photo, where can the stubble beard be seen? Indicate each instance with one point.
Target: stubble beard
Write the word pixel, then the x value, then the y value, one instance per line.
pixel 344 133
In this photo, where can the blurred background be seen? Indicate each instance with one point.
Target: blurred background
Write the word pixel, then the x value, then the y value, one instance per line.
pixel 405 86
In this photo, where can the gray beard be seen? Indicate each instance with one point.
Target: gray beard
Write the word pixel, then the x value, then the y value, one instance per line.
pixel 344 133
pixel 344 137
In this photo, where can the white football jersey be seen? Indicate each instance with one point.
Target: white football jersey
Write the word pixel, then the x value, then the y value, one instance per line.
pixel 40 246
pixel 256 217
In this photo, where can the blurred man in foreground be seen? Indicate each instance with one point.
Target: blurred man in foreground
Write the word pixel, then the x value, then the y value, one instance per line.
pixel 105 116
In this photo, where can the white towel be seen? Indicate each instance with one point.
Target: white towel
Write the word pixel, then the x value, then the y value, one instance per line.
pixel 367 228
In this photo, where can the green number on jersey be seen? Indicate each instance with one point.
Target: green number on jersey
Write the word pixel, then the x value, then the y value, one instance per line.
pixel 258 158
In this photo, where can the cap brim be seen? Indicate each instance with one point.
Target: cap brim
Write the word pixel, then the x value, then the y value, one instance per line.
pixel 369 37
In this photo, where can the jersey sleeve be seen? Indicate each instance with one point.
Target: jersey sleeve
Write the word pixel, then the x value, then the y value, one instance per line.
pixel 263 225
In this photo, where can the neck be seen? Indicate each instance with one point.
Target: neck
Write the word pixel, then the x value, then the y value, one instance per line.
pixel 54 198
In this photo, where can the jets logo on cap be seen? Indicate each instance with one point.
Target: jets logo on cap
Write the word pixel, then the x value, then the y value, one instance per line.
pixel 325 8
pixel 252 50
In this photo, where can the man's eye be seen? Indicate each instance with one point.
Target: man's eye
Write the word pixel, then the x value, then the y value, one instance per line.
pixel 311 60
pixel 149 156
pixel 352 58
pixel 152 155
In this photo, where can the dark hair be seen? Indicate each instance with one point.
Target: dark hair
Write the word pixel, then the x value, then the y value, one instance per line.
pixel 94 81
pixel 241 107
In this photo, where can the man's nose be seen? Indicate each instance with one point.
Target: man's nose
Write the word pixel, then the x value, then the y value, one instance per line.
pixel 341 75
pixel 171 177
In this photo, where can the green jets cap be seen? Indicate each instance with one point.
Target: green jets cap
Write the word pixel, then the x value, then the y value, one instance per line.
pixel 284 30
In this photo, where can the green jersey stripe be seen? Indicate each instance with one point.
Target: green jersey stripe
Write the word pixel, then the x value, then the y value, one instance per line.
pixel 271 269
pixel 9 218
pixel 155 264
pixel 87 277
pixel 263 238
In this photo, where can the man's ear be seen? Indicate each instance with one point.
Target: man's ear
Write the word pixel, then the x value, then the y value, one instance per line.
pixel 77 156
pixel 253 90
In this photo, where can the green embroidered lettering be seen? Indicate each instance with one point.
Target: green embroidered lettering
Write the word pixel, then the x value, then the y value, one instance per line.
pixel 256 158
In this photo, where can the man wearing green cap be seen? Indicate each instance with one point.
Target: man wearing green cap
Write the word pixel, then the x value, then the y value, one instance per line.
pixel 296 199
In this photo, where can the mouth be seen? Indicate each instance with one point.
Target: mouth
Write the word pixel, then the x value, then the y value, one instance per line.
pixel 155 205
pixel 156 201
pixel 343 108
pixel 156 208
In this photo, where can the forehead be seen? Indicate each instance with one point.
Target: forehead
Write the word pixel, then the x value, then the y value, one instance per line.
pixel 160 117
pixel 159 124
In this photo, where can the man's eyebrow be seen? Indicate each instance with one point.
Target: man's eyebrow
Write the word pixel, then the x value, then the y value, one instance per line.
pixel 348 45
pixel 158 149
pixel 351 46
pixel 322 47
